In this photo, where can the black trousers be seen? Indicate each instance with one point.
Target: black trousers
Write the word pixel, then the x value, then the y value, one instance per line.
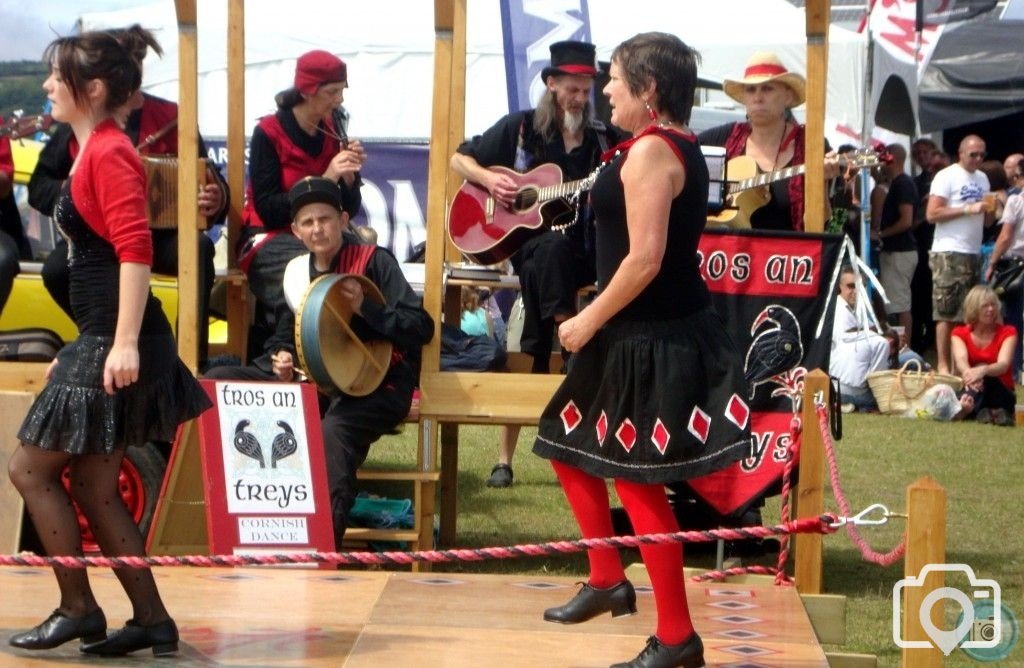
pixel 551 268
pixel 56 275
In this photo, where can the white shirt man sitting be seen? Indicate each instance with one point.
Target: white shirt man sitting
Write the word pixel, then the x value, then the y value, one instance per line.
pixel 857 349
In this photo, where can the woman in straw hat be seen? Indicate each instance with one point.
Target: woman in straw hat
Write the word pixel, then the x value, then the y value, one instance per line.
pixel 771 136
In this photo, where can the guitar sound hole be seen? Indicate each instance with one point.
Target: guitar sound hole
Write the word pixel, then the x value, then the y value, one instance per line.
pixel 526 198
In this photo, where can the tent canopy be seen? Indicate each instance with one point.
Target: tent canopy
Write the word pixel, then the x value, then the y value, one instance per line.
pixel 975 74
pixel 390 62
pixel 972 72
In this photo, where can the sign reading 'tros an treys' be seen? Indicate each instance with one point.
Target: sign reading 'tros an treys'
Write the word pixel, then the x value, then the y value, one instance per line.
pixel 263 464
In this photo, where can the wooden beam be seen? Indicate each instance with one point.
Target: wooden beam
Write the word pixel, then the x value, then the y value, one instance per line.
pixel 188 185
pixel 926 544
pixel 809 495
pixel 448 122
pixel 817 23
pixel 236 120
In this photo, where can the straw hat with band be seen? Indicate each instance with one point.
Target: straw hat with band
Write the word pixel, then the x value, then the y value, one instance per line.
pixel 765 66
pixel 571 57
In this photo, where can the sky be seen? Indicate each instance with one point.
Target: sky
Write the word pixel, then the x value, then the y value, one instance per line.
pixel 27 26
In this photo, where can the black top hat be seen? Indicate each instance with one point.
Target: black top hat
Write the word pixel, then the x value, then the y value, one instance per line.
pixel 314 189
pixel 571 57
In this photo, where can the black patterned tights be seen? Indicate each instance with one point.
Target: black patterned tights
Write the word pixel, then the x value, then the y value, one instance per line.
pixel 36 473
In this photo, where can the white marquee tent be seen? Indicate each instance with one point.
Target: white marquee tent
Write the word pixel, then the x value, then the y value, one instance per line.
pixel 388 47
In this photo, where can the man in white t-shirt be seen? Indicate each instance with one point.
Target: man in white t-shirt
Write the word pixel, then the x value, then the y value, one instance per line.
pixel 958 208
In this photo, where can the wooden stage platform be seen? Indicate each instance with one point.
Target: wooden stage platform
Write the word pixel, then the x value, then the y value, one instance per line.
pixel 288 617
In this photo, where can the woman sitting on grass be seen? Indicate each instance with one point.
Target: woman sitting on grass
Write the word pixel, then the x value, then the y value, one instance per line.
pixel 983 356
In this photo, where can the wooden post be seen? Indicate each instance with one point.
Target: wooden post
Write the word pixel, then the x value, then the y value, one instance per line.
pixel 188 185
pixel 809 496
pixel 237 289
pixel 926 544
pixel 447 131
pixel 818 14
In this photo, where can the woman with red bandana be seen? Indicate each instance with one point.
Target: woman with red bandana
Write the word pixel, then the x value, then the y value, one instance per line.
pixel 305 137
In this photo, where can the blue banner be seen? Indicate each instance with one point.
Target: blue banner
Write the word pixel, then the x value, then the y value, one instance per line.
pixel 529 27
pixel 394 192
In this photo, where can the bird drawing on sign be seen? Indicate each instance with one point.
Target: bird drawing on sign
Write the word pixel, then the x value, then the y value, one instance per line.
pixel 775 352
pixel 284 444
pixel 247 444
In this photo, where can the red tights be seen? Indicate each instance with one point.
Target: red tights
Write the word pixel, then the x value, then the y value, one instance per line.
pixel 649 512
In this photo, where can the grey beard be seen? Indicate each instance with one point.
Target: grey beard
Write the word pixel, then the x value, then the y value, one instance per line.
pixel 572 121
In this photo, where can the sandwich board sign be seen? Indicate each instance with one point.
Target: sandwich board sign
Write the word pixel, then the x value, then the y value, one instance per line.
pixel 264 470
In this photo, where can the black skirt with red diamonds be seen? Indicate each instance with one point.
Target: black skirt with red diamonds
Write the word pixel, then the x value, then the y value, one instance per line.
pixel 651 402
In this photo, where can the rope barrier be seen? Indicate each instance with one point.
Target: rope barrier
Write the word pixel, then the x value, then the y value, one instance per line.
pixel 823 524
pixel 882 559
pixel 779 571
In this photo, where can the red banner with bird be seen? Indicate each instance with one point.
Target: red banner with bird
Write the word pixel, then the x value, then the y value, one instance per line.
pixel 773 290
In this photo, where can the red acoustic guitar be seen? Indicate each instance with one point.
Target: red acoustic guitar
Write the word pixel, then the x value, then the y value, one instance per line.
pixel 488 232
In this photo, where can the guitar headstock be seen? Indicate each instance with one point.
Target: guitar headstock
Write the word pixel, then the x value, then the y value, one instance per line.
pixel 19 126
pixel 864 158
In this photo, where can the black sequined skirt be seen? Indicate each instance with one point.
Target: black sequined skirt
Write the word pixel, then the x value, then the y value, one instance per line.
pixel 651 402
pixel 74 414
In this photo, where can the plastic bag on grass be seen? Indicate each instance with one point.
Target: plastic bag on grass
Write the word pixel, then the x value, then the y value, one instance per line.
pixel 939 402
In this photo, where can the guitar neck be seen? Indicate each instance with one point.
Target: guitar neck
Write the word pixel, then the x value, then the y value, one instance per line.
pixel 788 173
pixel 559 190
pixel 768 177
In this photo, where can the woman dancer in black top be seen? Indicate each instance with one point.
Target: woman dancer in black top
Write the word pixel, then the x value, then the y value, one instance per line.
pixel 655 392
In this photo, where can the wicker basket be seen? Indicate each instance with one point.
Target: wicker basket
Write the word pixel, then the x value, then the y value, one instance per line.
pixel 898 390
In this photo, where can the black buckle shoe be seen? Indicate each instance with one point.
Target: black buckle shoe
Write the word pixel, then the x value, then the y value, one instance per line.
pixel 501 476
pixel 162 637
pixel 59 628
pixel 590 602
pixel 689 654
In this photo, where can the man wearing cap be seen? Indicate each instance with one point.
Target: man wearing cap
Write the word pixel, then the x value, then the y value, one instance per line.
pixel 553 265
pixel 350 423
pixel 959 211
pixel 305 137
pixel 771 137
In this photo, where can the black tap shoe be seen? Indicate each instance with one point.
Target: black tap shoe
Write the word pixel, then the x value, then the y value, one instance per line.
pixel 689 654
pixel 59 628
pixel 590 602
pixel 162 637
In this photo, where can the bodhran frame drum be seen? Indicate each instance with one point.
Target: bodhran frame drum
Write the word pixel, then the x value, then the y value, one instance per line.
pixel 330 352
pixel 162 189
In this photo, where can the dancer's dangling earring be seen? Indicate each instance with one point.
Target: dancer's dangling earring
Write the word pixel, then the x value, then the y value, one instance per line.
pixel 650 112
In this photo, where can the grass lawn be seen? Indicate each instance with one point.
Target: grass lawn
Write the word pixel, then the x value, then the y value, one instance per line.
pixel 980 466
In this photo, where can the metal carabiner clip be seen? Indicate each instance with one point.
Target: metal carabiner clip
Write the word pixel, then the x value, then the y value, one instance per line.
pixel 862 518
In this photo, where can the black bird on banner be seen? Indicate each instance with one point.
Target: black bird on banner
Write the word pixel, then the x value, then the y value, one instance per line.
pixel 776 348
pixel 284 444
pixel 247 444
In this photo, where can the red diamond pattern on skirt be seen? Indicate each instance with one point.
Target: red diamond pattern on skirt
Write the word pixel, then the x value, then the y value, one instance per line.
pixel 571 416
pixel 602 427
pixel 700 424
pixel 626 433
pixel 660 436
pixel 737 411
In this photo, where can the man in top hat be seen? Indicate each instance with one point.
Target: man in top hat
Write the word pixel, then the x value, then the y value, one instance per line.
pixel 350 423
pixel 770 136
pixel 553 265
